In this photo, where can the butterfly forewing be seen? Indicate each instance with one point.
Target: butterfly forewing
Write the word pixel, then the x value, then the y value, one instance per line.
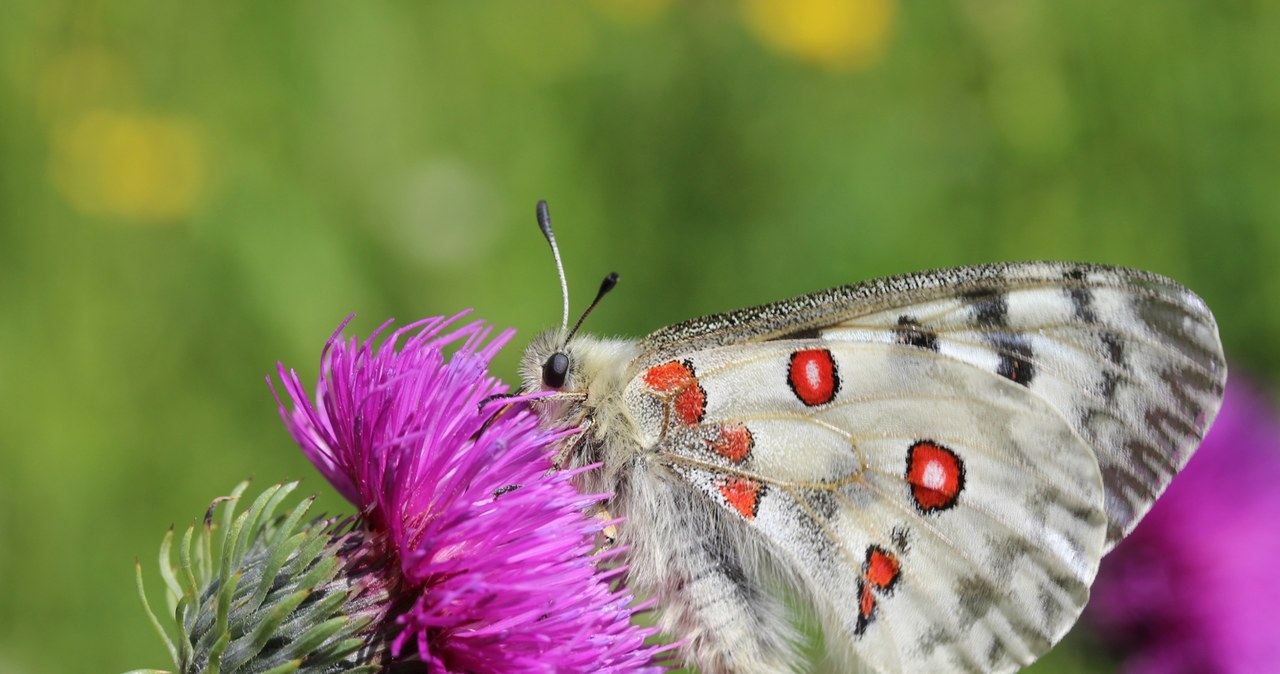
pixel 940 458
pixel 1130 359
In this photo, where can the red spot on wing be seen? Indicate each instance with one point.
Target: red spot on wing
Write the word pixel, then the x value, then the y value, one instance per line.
pixel 936 476
pixel 881 568
pixel 734 442
pixel 866 607
pixel 867 602
pixel 669 377
pixel 742 494
pixel 813 376
pixel 677 380
pixel 691 404
pixel 879 574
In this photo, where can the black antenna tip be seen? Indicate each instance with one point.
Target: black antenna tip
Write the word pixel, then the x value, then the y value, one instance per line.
pixel 544 217
pixel 608 283
pixel 605 286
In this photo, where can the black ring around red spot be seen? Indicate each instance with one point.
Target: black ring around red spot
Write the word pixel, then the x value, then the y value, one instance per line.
pixel 936 476
pixel 813 376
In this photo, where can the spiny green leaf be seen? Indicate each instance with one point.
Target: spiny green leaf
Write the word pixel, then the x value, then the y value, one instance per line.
pixel 190 587
pixel 279 551
pixel 151 615
pixel 248 523
pixel 291 666
pixel 312 638
pixel 173 590
pixel 269 593
pixel 215 654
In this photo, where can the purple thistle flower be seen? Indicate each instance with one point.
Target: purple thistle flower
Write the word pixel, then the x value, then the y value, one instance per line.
pixel 493 547
pixel 1196 587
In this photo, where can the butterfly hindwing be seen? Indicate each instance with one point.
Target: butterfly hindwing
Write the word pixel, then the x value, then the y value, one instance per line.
pixel 941 518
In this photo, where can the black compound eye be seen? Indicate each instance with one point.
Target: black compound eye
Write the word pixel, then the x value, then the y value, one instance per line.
pixel 555 370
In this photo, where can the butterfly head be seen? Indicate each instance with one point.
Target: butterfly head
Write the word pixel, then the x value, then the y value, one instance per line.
pixel 548 363
pixel 582 370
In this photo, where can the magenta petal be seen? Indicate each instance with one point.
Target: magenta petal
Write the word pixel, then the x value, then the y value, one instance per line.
pixel 1195 587
pixel 494 548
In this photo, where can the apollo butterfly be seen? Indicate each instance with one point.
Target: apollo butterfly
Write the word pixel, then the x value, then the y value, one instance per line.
pixel 931 464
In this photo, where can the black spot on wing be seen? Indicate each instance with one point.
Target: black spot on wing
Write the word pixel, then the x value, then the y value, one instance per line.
pixel 1107 388
pixel 1033 638
pixel 1125 489
pixel 991 310
pixel 1171 431
pixel 1051 498
pixel 1051 608
pixel 901 538
pixel 823 502
pixel 1113 345
pixel 1008 554
pixel 1181 381
pixel 933 637
pixel 911 333
pixel 1149 463
pixel 996 654
pixel 1075 282
pixel 990 307
pixel 1015 359
pixel 976 598
pixel 803 333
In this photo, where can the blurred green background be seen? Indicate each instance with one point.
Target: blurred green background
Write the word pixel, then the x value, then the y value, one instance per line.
pixel 191 191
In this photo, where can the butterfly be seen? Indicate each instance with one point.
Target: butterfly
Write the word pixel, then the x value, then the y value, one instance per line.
pixel 930 466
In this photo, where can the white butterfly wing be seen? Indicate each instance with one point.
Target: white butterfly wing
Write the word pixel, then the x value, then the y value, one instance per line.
pixel 1131 359
pixel 941 459
pixel 984 575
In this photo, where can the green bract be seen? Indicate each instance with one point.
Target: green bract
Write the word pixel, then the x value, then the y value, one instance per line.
pixel 261 593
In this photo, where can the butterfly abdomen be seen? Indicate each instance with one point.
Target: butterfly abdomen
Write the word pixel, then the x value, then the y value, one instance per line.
pixel 711 575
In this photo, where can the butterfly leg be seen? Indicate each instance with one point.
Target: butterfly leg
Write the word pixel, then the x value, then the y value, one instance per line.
pixel 608 536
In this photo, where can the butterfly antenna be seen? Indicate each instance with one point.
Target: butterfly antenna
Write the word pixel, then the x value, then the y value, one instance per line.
pixel 544 223
pixel 605 286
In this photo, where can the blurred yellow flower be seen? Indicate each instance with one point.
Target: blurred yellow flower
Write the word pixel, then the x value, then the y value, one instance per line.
pixel 632 11
pixel 837 34
pixel 135 167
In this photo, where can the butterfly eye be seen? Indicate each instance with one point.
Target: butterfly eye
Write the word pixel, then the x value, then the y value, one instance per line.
pixel 555 370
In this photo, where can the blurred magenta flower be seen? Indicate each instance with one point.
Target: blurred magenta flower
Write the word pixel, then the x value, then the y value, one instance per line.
pixel 1196 587
pixel 494 548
